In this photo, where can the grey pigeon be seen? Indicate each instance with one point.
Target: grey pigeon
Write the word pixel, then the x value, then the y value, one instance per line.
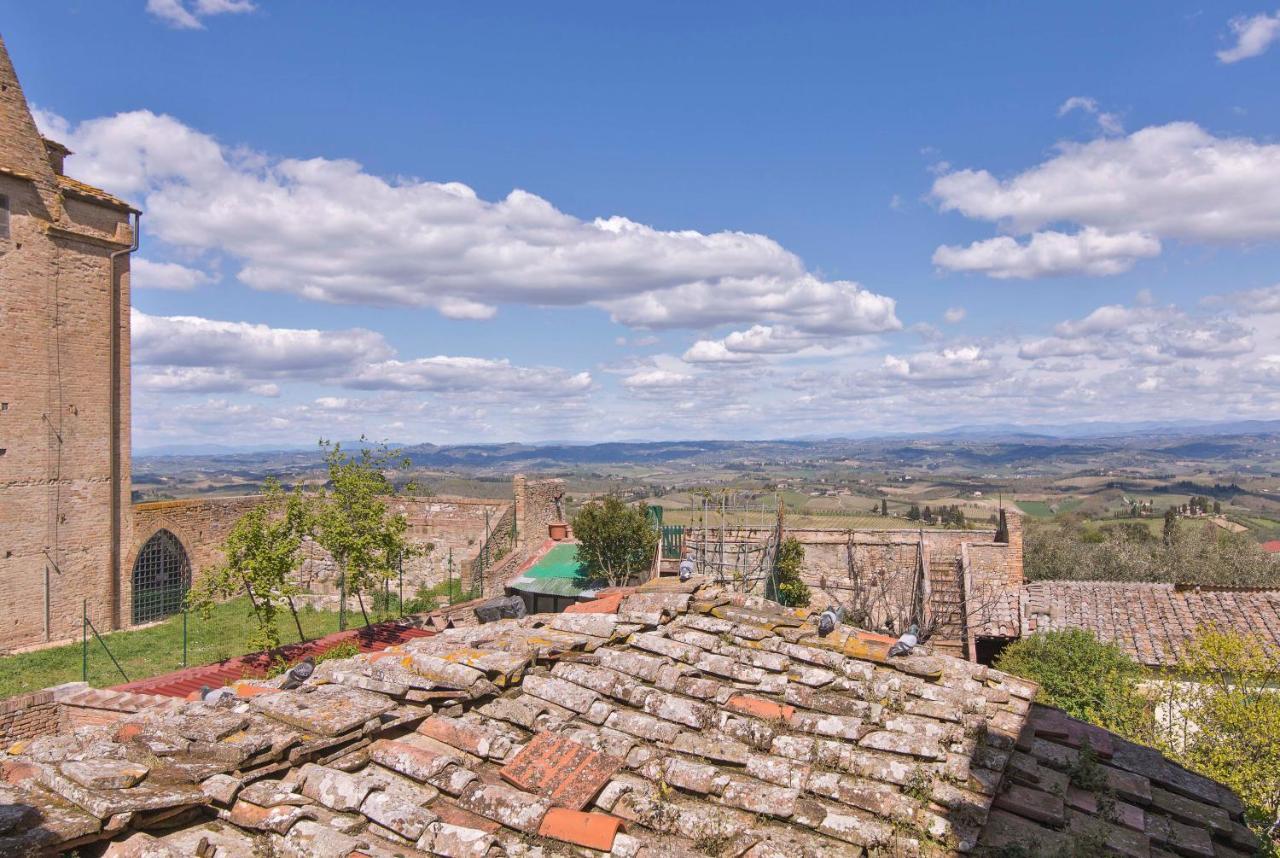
pixel 829 619
pixel 299 673
pixel 215 695
pixel 687 567
pixel 907 642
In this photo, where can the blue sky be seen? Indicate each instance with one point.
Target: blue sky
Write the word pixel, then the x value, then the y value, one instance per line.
pixel 800 196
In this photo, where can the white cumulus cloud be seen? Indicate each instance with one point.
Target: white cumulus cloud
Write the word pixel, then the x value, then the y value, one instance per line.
pixel 1108 122
pixel 145 274
pixel 953 365
pixel 192 341
pixel 1049 254
pixel 188 14
pixel 190 354
pixel 657 378
pixel 327 230
pixel 1253 36
pixel 1174 181
pixel 467 375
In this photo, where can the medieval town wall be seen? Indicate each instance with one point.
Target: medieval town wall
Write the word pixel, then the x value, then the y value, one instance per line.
pixel 440 527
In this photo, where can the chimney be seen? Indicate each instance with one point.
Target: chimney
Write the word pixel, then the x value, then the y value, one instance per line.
pixel 57 154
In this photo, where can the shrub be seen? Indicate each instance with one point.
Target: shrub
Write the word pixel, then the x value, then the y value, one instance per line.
pixel 791 590
pixel 616 541
pixel 1226 721
pixel 1088 679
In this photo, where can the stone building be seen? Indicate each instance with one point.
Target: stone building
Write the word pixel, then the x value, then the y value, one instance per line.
pixel 65 515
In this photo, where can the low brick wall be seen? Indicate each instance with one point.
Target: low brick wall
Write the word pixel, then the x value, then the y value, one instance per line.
pixel 28 715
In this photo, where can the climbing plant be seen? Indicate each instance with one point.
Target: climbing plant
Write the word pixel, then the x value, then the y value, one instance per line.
pixel 791 590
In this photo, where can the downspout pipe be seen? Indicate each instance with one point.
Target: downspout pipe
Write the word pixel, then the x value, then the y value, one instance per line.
pixel 114 588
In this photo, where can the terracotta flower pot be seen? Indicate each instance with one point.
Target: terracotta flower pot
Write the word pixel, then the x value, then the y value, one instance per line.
pixel 558 530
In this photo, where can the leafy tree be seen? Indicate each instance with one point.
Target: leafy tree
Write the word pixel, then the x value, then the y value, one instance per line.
pixel 616 541
pixel 1217 508
pixel 928 515
pixel 354 524
pixel 913 513
pixel 1002 528
pixel 791 590
pixel 1226 719
pixel 1088 679
pixel 884 507
pixel 261 552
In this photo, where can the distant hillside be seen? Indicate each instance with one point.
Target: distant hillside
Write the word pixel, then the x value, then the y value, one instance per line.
pixel 958 453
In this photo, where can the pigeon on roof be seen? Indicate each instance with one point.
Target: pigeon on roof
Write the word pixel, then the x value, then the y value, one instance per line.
pixel 299 673
pixel 907 642
pixel 830 618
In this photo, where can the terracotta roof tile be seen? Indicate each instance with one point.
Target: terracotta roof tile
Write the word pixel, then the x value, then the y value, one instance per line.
pixel 80 189
pixel 1152 622
pixel 693 719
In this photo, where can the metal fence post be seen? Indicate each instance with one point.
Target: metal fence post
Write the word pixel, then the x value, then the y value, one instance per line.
pixel 84 641
pixel 400 564
pixel 184 637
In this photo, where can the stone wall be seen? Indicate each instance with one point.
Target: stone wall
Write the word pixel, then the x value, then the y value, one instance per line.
pixel 877 572
pixel 538 503
pixel 439 526
pixel 64 394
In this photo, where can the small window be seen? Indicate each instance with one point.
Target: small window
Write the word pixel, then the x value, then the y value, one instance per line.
pixel 4 216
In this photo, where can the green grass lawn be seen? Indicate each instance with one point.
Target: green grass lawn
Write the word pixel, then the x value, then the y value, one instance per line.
pixel 1036 509
pixel 158 649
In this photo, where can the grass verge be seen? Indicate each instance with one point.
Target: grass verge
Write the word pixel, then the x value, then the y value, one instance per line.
pixel 156 649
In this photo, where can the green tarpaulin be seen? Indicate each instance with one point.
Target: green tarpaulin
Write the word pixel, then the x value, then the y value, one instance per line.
pixel 557 573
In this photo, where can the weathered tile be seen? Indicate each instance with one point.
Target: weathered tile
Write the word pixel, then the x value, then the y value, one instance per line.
pixel 565 772
pixel 329 710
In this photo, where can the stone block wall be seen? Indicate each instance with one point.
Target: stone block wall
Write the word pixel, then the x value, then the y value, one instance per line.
pixel 201 525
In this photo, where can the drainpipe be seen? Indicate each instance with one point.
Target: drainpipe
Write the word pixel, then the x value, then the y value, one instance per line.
pixel 114 588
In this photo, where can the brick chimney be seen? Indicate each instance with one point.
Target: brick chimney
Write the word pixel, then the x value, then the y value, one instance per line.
pixel 57 154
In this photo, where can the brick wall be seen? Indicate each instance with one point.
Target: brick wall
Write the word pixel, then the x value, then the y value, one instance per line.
pixel 64 401
pixel 28 715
